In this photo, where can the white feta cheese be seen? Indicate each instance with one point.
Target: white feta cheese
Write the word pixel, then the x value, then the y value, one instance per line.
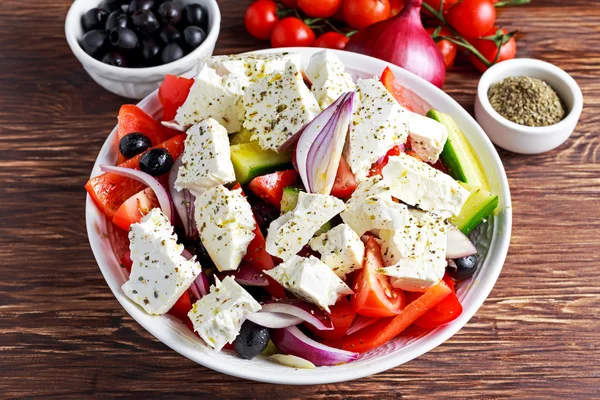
pixel 378 124
pixel 218 316
pixel 225 223
pixel 427 137
pixel 371 207
pixel 310 280
pixel 212 96
pixel 290 232
pixel 328 77
pixel 419 184
pixel 159 274
pixel 206 159
pixel 415 256
pixel 341 249
pixel 278 106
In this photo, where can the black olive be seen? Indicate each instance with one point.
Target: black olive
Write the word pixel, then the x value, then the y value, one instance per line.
pixel 149 50
pixel 194 14
pixel 123 38
pixel 116 59
pixel 203 256
pixel 171 52
pixel 145 22
pixel 111 5
pixel 133 144
pixel 140 5
pixel 193 37
pixel 116 19
pixel 264 213
pixel 94 19
pixel 94 42
pixel 462 268
pixel 252 340
pixel 169 12
pixel 156 162
pixel 169 34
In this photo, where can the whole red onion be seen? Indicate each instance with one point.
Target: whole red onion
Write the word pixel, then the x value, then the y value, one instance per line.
pixel 403 41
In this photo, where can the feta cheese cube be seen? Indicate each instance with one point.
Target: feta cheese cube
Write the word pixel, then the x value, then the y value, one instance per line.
pixel 371 207
pixel 418 184
pixel 212 96
pixel 427 137
pixel 328 77
pixel 341 250
pixel 218 316
pixel 206 160
pixel 290 232
pixel 278 106
pixel 225 223
pixel 159 274
pixel 378 124
pixel 415 256
pixel 250 68
pixel 310 280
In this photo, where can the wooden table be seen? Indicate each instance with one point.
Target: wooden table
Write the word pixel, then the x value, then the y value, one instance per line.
pixel 62 333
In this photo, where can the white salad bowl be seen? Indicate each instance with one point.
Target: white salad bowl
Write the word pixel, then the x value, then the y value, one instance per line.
pixel 492 240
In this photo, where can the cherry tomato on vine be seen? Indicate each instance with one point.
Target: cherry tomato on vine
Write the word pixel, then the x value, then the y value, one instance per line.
pixel 320 8
pixel 292 32
pixel 261 18
pixel 396 6
pixel 488 49
pixel 332 40
pixel 472 18
pixel 435 4
pixel 361 13
pixel 447 48
pixel 290 3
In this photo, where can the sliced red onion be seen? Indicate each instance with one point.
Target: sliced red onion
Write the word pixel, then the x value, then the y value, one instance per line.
pixel 183 201
pixel 458 244
pixel 246 275
pixel 200 287
pixel 292 341
pixel 173 125
pixel 161 194
pixel 298 308
pixel 288 144
pixel 274 320
pixel 361 322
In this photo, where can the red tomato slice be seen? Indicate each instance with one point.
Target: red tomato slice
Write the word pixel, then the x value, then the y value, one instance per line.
pixel 182 307
pixel 377 168
pixel 172 94
pixel 373 295
pixel 393 86
pixel 134 208
pixel 270 187
pixel 342 315
pixel 345 182
pixel 109 190
pixel 447 310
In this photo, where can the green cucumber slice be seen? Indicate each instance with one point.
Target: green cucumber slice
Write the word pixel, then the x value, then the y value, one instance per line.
pixel 250 161
pixel 243 136
pixel 480 205
pixel 289 201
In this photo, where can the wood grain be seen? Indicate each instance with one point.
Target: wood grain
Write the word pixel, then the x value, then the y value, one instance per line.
pixel 63 335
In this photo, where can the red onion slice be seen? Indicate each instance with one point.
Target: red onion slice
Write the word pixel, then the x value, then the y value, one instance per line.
pixel 274 320
pixel 183 201
pixel 246 275
pixel 142 177
pixel 361 322
pixel 458 244
pixel 292 341
pixel 200 287
pixel 298 308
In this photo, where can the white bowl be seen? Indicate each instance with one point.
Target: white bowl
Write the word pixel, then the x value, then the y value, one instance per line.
pixel 527 139
pixel 492 239
pixel 138 82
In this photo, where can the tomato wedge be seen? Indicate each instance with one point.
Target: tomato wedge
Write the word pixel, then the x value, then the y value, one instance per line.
pixel 447 310
pixel 377 168
pixel 134 208
pixel 172 94
pixel 182 307
pixel 345 182
pixel 342 315
pixel 373 295
pixel 270 187
pixel 393 86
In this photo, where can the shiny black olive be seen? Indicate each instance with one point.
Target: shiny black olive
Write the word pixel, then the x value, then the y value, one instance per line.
pixel 94 42
pixel 133 144
pixel 135 5
pixel 149 50
pixel 156 162
pixel 123 38
pixel 116 19
pixel 169 34
pixel 193 37
pixel 462 268
pixel 116 59
pixel 169 12
pixel 145 22
pixel 171 52
pixel 251 340
pixel 94 19
pixel 111 5
pixel 194 14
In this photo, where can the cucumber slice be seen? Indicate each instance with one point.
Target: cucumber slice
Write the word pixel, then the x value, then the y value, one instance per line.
pixel 478 206
pixel 458 157
pixel 243 136
pixel 250 161
pixel 289 201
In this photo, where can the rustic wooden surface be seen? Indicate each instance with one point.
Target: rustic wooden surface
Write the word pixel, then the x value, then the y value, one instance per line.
pixel 63 335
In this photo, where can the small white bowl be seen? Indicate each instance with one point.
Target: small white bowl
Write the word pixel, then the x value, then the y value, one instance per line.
pixel 137 83
pixel 525 139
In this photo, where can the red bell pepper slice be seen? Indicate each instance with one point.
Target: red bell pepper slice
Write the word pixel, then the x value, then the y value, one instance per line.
pixel 172 94
pixel 393 86
pixel 270 187
pixel 447 310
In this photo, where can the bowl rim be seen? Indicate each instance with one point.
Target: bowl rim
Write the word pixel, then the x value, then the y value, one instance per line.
pixel 160 328
pixel 490 77
pixel 74 17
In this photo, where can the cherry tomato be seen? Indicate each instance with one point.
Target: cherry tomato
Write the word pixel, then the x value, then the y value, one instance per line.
pixel 342 315
pixel 472 18
pixel 320 8
pixel 261 18
pixel 447 48
pixel 396 6
pixel 435 4
pixel 290 3
pixel 488 49
pixel 332 40
pixel 292 32
pixel 361 13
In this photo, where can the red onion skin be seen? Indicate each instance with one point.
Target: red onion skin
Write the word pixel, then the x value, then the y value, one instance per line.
pixel 403 41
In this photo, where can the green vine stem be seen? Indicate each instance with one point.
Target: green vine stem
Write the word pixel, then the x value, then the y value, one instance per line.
pixel 511 3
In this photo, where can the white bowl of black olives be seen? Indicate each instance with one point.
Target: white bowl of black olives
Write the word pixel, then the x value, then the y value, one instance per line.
pixel 128 46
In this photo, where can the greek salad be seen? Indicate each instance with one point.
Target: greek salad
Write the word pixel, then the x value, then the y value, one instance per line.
pixel 294 213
